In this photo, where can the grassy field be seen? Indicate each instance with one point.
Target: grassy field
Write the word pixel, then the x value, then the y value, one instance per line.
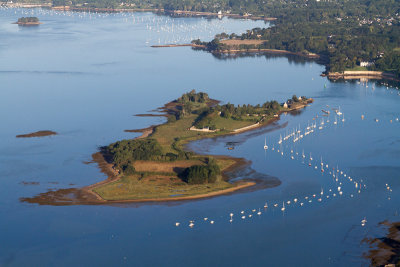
pixel 167 133
pixel 160 185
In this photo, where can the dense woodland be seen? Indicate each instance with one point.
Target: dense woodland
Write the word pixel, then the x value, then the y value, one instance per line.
pixel 343 33
pixel 340 46
pixel 208 114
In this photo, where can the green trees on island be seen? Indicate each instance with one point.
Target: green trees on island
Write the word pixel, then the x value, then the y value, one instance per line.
pixel 125 152
pixel 201 174
pixel 240 112
pixel 28 20
pixel 204 112
pixel 192 96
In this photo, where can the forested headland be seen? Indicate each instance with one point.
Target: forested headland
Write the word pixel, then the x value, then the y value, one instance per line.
pixel 347 35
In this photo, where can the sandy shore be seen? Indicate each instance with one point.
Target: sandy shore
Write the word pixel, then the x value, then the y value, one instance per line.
pixel 145 131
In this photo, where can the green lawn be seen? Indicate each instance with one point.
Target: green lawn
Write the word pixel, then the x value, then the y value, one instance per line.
pixel 358 68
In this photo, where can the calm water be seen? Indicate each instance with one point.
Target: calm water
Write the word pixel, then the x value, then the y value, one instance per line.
pixel 85 75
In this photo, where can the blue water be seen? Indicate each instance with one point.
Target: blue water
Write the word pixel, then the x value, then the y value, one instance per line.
pixel 86 75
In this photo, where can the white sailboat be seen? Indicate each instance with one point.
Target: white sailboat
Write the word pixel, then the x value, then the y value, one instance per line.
pixel 338 112
pixel 265 144
pixel 283 206
pixel 280 139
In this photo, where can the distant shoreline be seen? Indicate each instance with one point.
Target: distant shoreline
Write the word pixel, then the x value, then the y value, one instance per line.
pixel 155 10
pixel 378 75
pixel 240 51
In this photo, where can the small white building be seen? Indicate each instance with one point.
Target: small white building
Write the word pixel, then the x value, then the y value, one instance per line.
pixel 366 64
pixel 285 105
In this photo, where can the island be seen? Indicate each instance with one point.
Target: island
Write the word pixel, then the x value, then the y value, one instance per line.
pixel 28 21
pixel 157 167
pixel 37 134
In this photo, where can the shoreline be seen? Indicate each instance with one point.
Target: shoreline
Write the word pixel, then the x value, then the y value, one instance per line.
pixel 266 50
pixel 385 250
pixel 28 23
pixel 367 74
pixel 243 51
pixel 177 45
pixel 155 10
pixel 346 75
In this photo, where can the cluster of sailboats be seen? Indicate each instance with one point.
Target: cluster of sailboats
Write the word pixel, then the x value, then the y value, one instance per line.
pixel 296 202
pixel 297 134
pixel 159 29
pixel 341 180
pixel 342 184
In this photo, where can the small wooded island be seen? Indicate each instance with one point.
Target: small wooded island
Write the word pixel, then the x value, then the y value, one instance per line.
pixel 156 167
pixel 28 21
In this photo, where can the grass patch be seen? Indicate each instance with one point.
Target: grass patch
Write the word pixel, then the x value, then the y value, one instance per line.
pixel 358 68
pixel 160 185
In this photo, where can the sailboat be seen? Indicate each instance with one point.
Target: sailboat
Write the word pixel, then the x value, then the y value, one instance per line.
pixel 265 144
pixel 343 118
pixel 280 139
pixel 338 112
pixel 335 122
pixel 322 166
pixel 283 206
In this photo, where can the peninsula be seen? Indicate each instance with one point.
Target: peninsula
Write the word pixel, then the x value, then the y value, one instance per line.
pixel 156 167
